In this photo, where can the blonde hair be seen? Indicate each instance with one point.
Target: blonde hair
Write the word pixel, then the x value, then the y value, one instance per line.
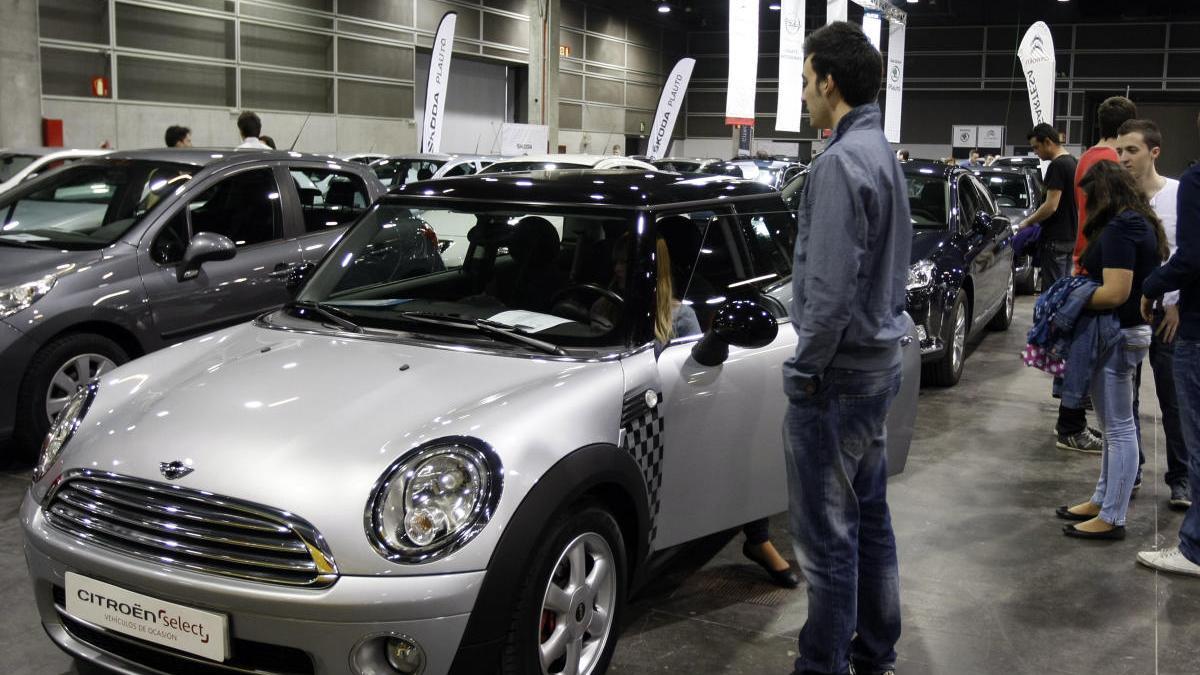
pixel 664 324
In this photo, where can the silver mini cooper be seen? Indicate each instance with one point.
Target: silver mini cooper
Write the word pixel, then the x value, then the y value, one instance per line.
pixel 417 467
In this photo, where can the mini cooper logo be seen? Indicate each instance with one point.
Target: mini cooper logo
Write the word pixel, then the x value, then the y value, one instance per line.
pixel 174 470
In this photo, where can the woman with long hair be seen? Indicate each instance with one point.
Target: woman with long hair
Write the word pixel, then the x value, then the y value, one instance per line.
pixel 1126 243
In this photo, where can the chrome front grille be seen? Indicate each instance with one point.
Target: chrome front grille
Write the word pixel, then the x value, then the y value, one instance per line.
pixel 197 530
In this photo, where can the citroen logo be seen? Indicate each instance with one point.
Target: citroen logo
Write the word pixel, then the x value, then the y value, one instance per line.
pixel 174 470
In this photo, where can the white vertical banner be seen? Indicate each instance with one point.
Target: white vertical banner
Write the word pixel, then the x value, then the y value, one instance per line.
pixel 894 99
pixel 435 86
pixel 873 27
pixel 790 106
pixel 1037 62
pixel 669 103
pixel 836 10
pixel 743 62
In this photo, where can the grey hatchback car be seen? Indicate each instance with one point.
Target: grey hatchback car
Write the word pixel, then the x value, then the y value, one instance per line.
pixel 110 258
pixel 418 468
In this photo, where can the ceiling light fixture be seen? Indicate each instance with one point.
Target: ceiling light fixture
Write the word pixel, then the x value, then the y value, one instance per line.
pixel 774 6
pixel 663 8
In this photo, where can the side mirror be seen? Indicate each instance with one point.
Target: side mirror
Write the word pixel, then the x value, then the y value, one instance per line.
pixel 741 323
pixel 205 247
pixel 983 222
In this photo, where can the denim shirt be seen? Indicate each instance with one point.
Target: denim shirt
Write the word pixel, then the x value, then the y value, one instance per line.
pixel 853 241
pixel 1079 336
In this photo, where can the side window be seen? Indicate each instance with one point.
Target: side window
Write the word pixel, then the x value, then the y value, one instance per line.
pixel 770 237
pixel 329 198
pixel 244 207
pixel 464 169
pixel 987 200
pixel 171 241
pixel 968 203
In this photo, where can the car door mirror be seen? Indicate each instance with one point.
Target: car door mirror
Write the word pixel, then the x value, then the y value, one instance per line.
pixel 741 323
pixel 205 247
pixel 982 223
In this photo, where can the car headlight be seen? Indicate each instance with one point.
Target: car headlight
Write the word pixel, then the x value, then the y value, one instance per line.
pixel 920 275
pixel 63 428
pixel 17 298
pixel 434 500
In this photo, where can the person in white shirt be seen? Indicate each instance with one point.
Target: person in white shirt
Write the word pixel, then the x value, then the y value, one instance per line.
pixel 1139 144
pixel 250 127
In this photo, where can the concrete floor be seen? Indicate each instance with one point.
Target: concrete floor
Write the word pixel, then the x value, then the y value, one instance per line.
pixel 989 583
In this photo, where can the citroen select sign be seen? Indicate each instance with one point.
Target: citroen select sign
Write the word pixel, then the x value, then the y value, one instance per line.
pixel 164 623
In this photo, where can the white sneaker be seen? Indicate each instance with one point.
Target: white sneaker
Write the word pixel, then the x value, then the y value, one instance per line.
pixel 1169 560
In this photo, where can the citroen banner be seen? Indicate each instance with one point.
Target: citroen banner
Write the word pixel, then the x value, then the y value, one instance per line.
pixel 743 62
pixel 1037 62
pixel 435 87
pixel 894 82
pixel 669 104
pixel 791 66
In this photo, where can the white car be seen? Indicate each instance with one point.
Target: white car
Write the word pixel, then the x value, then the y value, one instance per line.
pixel 394 171
pixel 17 166
pixel 362 157
pixel 552 162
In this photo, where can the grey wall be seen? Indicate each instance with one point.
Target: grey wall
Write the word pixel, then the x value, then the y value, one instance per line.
pixel 20 90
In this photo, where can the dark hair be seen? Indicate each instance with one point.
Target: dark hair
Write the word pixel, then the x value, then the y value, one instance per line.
pixel 175 134
pixel 249 124
pixel 1113 112
pixel 903 154
pixel 268 140
pixel 841 50
pixel 1111 190
pixel 1043 132
pixel 1149 131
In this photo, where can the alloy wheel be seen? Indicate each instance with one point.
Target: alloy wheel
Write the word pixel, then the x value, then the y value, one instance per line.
pixel 1010 300
pixel 578 607
pixel 960 337
pixel 75 373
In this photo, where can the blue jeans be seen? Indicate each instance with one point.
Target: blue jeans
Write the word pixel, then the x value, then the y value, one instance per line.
pixel 1057 262
pixel 1112 396
pixel 1187 386
pixel 1162 363
pixel 835 443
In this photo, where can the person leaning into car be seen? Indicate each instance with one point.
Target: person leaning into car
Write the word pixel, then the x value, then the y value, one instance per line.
pixel 854 236
pixel 1057 214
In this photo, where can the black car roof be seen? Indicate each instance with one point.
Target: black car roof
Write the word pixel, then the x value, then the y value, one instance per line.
pixel 1014 169
pixel 223 156
pixel 925 166
pixel 626 188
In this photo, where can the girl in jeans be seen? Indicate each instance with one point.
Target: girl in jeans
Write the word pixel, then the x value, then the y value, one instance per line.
pixel 1126 243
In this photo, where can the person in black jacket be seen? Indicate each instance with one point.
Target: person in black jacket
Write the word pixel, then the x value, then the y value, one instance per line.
pixel 1182 273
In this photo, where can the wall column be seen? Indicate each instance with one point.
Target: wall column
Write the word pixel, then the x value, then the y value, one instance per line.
pixel 21 75
pixel 543 65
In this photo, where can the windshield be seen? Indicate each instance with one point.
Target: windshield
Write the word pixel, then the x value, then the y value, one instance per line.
pixel 397 172
pixel 1009 189
pixel 514 167
pixel 556 275
pixel 86 206
pixel 12 163
pixel 929 202
pixel 680 165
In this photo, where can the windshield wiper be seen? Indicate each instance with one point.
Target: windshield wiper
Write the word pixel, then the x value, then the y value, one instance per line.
pixel 491 328
pixel 331 314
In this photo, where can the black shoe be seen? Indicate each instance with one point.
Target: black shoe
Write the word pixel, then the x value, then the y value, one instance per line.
pixel 1117 533
pixel 785 578
pixel 1065 513
pixel 1181 498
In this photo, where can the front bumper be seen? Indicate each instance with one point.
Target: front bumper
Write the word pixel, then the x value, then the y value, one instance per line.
pixel 15 352
pixel 925 308
pixel 272 629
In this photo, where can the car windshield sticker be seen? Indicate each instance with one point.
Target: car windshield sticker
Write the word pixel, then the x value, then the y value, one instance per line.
pixel 385 302
pixel 530 322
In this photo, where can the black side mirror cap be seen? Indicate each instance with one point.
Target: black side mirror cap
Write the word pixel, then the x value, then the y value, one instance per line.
pixel 742 323
pixel 205 247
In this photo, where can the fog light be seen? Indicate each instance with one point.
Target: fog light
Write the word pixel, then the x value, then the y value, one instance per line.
pixel 921 335
pixel 405 656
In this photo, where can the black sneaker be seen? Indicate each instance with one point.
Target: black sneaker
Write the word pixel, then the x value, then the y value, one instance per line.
pixel 1083 441
pixel 1181 497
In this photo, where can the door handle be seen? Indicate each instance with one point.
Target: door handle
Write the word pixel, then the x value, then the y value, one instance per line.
pixel 283 270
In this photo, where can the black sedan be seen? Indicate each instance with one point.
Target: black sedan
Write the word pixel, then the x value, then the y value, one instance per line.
pixel 1019 192
pixel 961 278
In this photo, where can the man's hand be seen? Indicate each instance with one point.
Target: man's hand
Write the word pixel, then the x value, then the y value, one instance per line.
pixel 1169 324
pixel 1148 309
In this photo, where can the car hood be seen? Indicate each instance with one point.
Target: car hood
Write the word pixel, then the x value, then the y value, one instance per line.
pixel 308 423
pixel 19 265
pixel 925 243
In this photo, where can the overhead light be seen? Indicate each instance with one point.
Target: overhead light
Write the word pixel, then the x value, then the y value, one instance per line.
pixel 663 8
pixel 774 6
pixel 912 2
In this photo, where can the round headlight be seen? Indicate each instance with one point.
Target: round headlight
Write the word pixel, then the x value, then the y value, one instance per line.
pixel 434 500
pixel 63 428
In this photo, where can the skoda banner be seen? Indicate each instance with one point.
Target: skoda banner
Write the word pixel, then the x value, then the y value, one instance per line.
pixel 743 62
pixel 435 87
pixel 895 82
pixel 669 104
pixel 1037 62
pixel 791 66
pixel 836 10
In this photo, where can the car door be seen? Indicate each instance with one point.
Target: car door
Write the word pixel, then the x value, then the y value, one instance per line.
pixel 324 201
pixel 722 462
pixel 978 253
pixel 998 239
pixel 243 204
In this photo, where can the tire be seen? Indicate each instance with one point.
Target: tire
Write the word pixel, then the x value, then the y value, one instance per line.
pixel 946 371
pixel 563 628
pixel 1003 318
pixel 69 356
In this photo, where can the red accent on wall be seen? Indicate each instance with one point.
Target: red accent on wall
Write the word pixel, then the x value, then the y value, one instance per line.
pixel 52 133
pixel 100 88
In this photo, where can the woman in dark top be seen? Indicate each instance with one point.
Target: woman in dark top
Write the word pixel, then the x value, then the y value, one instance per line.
pixel 1126 243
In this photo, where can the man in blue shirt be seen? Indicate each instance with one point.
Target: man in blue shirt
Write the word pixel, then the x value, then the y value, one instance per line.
pixel 853 241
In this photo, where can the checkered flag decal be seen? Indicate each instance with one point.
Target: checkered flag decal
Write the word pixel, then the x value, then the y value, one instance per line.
pixel 642 427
